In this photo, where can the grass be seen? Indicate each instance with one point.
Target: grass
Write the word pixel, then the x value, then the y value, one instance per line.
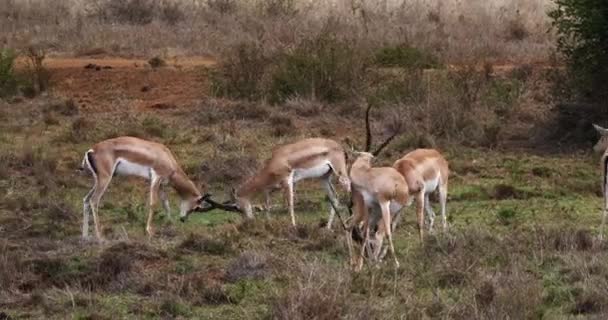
pixel 521 244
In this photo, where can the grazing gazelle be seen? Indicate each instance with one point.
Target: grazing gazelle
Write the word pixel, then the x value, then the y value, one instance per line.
pixel 136 157
pixel 313 158
pixel 382 191
pixel 382 187
pixel 602 146
pixel 425 171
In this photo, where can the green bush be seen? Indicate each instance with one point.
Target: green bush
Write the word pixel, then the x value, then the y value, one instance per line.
pixel 582 30
pixel 8 79
pixel 239 75
pixel 323 68
pixel 405 57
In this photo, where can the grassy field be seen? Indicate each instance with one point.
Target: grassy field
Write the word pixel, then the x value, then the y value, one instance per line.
pixel 521 244
pixel 221 83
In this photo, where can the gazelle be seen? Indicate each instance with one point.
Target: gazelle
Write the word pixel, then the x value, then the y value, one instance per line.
pixel 425 171
pixel 131 156
pixel 381 190
pixel 382 187
pixel 602 146
pixel 313 158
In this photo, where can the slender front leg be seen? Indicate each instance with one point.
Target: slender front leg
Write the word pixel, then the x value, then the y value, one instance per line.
pixel 333 198
pixel 605 212
pixel 154 187
pixel 429 212
pixel 86 212
pixel 290 199
pixel 102 184
pixel 267 209
pixel 420 213
pixel 386 222
pixel 164 199
pixel 443 199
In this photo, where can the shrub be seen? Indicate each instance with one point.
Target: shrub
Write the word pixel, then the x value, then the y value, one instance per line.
pixel 39 75
pixel 157 62
pixel 8 80
pixel 323 67
pixel 249 265
pixel 136 12
pixel 582 31
pixel 404 56
pixel 238 76
pixel 222 6
pixel 279 8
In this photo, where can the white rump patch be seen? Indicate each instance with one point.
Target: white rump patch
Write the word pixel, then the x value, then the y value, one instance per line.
pixel 127 168
pixel 313 172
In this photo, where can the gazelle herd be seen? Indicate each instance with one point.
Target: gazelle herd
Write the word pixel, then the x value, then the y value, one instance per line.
pixel 378 194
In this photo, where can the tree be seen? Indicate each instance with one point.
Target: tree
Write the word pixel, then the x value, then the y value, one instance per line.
pixel 582 30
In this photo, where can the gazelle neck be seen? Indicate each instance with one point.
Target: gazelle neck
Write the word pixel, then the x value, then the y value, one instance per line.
pixel 184 186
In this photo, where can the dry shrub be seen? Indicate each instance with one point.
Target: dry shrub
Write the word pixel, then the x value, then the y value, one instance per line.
pixel 204 244
pixel 304 107
pixel 229 169
pixel 117 263
pixel 214 111
pixel 282 125
pixel 248 265
pixel 39 75
pixel 239 73
pixel 66 107
pixel 566 240
pixel 136 12
pixel 317 293
pixel 222 6
pixel 323 67
pixel 157 62
pixel 504 191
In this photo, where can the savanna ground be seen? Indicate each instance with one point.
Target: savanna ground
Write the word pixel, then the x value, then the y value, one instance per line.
pixel 523 212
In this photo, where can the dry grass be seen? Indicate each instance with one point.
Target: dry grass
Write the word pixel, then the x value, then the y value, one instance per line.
pixel 514 29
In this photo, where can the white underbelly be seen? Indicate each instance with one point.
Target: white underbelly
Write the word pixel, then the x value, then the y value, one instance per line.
pixel 313 172
pixel 431 185
pixel 127 168
pixel 372 203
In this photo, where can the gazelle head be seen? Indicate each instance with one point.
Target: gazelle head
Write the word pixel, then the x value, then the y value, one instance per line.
pixel 194 204
pixel 602 144
pixel 363 159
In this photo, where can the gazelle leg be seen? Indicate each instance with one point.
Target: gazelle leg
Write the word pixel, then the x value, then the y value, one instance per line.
pixel 430 214
pixel 86 211
pixel 386 222
pixel 443 198
pixel 605 212
pixel 290 199
pixel 267 203
pixel 364 246
pixel 420 213
pixel 102 184
pixel 154 189
pixel 358 216
pixel 333 198
pixel 164 199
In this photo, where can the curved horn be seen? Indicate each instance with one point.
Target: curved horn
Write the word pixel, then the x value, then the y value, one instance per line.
pixel 226 206
pixel 368 131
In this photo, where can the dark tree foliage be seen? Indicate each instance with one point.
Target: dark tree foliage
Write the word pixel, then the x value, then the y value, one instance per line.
pixel 582 29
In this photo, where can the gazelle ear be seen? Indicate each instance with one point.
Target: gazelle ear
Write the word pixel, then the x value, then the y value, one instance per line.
pixel 600 130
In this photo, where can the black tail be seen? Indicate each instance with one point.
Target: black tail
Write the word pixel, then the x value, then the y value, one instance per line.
pixel 91 161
